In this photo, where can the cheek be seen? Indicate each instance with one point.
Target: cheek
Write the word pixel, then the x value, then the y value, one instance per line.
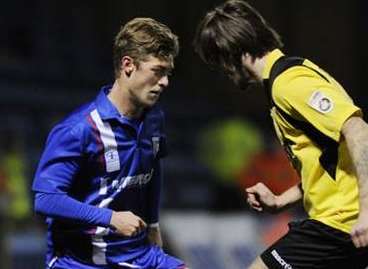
pixel 150 81
pixel 147 78
pixel 142 82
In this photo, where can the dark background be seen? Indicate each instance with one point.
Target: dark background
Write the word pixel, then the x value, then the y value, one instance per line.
pixel 55 55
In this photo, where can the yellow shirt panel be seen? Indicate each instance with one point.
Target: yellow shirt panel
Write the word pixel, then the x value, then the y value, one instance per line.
pixel 306 96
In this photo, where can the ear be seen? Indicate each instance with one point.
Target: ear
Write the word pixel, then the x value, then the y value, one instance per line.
pixel 246 59
pixel 127 65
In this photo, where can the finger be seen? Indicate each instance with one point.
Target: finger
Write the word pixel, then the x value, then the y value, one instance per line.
pixel 252 200
pixel 254 204
pixel 252 189
pixel 353 238
pixel 258 188
pixel 257 208
pixel 251 196
pixel 137 227
pixel 356 237
pixel 363 238
pixel 134 232
pixel 355 241
pixel 359 242
pixel 249 190
pixel 141 223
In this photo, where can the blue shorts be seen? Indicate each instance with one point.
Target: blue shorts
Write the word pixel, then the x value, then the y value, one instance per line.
pixel 153 258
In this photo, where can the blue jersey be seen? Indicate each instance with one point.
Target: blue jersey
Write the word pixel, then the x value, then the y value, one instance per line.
pixel 153 257
pixel 104 162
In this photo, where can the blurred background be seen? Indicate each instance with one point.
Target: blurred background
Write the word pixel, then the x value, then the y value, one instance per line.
pixel 55 55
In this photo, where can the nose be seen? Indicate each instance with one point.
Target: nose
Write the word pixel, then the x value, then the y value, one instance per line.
pixel 164 81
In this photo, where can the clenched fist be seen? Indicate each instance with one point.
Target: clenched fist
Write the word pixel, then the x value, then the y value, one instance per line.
pixel 126 223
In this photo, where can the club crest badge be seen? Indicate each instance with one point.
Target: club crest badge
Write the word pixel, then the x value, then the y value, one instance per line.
pixel 155 145
pixel 112 160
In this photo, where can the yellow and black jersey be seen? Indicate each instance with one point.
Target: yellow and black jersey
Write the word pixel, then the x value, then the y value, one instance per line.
pixel 309 108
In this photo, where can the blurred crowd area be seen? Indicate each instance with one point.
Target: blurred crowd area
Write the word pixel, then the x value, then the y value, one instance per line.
pixel 54 56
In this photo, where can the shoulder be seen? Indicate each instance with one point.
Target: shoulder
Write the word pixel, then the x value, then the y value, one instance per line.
pixel 75 126
pixel 298 83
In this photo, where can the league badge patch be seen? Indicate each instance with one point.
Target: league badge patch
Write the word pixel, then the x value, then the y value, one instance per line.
pixel 320 102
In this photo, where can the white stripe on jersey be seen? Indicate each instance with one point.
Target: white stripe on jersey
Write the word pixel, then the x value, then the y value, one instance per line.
pixel 103 186
pixel 108 139
pixel 112 162
pixel 129 265
pixel 105 202
pixel 99 246
pixel 52 262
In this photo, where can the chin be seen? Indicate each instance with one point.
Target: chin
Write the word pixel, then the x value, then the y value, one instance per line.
pixel 149 104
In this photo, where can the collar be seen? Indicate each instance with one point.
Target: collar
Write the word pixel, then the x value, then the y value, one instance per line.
pixel 271 58
pixel 105 108
pixel 108 111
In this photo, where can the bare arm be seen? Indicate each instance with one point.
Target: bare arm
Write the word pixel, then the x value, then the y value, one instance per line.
pixel 355 131
pixel 262 198
pixel 154 235
pixel 290 197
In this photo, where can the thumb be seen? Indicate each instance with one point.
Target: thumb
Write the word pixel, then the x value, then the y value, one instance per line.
pixel 142 224
pixel 252 189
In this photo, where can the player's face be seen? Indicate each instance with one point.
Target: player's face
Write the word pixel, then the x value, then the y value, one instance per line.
pixel 148 81
pixel 244 74
pixel 242 77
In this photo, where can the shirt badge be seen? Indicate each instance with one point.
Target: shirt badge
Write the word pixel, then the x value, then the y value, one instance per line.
pixel 112 160
pixel 320 102
pixel 155 145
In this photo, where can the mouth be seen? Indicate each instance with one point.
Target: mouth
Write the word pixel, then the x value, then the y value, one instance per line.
pixel 155 93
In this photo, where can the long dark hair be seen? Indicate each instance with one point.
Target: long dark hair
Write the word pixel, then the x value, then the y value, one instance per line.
pixel 231 29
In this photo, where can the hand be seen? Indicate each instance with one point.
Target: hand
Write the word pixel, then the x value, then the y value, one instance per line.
pixel 126 223
pixel 154 236
pixel 260 198
pixel 359 232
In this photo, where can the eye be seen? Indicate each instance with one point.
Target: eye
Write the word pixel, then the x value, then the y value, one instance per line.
pixel 162 72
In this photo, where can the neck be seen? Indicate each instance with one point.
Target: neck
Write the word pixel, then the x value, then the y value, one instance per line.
pixel 120 98
pixel 258 67
pixel 255 65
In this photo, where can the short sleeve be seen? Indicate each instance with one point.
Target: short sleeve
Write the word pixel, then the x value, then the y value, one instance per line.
pixel 60 161
pixel 313 99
